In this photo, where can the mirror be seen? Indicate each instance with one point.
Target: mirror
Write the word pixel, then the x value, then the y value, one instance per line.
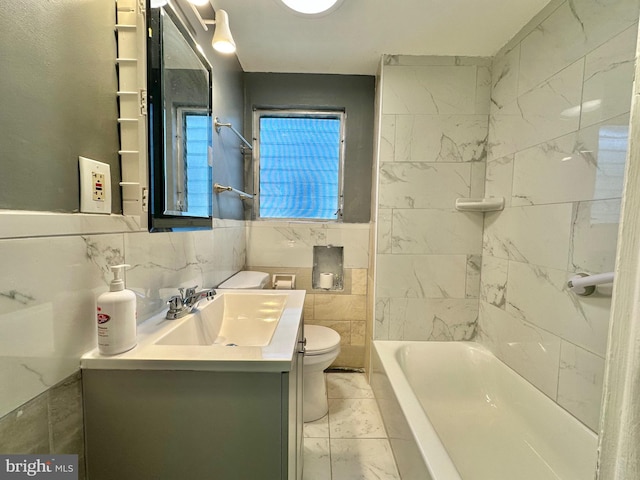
pixel 180 126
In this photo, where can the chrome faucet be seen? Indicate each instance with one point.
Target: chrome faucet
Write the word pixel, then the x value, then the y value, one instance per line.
pixel 187 301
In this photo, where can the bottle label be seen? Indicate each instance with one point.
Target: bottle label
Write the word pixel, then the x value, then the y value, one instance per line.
pixel 103 318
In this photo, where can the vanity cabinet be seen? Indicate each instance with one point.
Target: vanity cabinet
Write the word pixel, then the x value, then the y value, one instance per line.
pixel 194 424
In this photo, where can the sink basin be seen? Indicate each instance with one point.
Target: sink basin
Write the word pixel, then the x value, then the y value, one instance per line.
pixel 230 319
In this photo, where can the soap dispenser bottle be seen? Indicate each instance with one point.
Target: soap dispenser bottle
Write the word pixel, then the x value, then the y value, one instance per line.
pixel 116 316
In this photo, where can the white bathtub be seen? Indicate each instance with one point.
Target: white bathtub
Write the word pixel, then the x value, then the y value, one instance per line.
pixel 454 411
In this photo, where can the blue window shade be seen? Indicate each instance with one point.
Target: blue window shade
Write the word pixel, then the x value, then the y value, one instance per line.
pixel 299 167
pixel 198 172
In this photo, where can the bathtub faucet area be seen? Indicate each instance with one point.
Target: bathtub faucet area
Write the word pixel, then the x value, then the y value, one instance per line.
pixel 183 304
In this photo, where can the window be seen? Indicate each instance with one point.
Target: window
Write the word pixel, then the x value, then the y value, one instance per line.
pixel 298 164
pixel 193 152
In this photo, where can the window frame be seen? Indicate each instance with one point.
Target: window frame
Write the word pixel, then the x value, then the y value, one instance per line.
pixel 293 112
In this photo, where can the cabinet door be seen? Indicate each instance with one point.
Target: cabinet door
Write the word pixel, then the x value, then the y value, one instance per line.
pixel 293 381
pixel 299 402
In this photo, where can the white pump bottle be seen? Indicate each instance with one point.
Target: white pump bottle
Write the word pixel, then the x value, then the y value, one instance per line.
pixel 116 316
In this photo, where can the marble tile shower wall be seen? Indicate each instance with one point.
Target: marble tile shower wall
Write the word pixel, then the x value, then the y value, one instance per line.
pixel 47 310
pixel 558 131
pixel 432 151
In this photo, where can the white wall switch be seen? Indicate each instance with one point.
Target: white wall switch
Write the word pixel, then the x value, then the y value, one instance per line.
pixel 95 186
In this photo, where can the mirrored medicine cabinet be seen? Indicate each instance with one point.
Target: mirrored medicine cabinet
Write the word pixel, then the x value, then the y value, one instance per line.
pixel 179 90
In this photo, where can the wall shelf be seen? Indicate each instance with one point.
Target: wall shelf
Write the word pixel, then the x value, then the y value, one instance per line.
pixel 491 204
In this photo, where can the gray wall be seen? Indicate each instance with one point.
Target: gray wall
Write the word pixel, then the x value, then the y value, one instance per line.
pixel 354 93
pixel 58 95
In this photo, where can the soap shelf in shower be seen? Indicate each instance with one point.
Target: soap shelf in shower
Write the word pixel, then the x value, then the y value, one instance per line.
pixel 491 204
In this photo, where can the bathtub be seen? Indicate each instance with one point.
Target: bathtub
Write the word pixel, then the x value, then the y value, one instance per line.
pixel 454 411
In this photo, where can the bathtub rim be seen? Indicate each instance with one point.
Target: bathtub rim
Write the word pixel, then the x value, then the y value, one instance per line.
pixel 437 461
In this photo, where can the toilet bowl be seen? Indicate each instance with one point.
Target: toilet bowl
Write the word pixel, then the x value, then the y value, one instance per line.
pixel 322 348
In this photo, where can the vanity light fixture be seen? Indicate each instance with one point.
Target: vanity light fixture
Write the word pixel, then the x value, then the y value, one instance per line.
pixel 158 3
pixel 222 40
pixel 312 7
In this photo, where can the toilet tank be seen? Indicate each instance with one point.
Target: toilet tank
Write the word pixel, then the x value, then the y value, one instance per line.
pixel 247 280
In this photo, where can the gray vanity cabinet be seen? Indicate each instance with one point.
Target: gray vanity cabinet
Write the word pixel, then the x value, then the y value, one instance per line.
pixel 172 424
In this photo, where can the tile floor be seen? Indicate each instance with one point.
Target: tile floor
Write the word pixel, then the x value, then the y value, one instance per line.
pixel 350 443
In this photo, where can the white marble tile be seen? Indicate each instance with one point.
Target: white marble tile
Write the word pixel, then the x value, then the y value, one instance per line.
pixel 385 222
pixel 474 267
pixel 348 385
pixel 317 459
pixel 478 176
pixel 483 89
pixel 499 179
pixel 229 253
pixel 504 81
pixel 160 264
pixel 387 138
pixel 608 83
pixel 538 234
pixel 569 33
pixel 423 185
pixel 493 286
pixel 281 244
pixel 540 296
pixel 594 236
pixel 362 459
pixel 536 116
pixel 421 276
pixel 441 138
pixel 290 244
pixel 355 418
pixel 580 383
pixel 530 351
pixel 429 90
pixel 382 312
pixel 433 319
pixel 355 240
pixel 421 231
pixel 48 297
pixel 587 165
pixel 317 429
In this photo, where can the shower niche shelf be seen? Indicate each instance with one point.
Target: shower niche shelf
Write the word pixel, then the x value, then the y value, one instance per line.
pixel 328 260
pixel 491 204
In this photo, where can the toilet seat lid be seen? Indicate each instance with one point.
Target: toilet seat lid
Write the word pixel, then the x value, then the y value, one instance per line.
pixel 246 279
pixel 320 339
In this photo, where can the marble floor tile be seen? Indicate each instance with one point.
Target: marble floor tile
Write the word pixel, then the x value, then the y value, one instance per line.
pixel 355 418
pixel 317 459
pixel 348 385
pixel 317 429
pixel 362 459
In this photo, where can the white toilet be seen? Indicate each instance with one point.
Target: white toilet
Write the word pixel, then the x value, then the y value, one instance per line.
pixel 246 279
pixel 322 348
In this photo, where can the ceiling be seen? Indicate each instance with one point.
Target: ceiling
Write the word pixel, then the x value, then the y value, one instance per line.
pixel 350 40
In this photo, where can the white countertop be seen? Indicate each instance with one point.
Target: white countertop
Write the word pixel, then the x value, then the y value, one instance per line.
pixel 146 355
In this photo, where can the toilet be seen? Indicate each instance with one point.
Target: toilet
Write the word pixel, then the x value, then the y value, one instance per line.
pixel 246 279
pixel 322 348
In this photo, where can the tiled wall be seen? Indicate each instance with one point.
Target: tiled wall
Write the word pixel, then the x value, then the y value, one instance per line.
pixel 287 247
pixel 433 150
pixel 47 314
pixel 560 169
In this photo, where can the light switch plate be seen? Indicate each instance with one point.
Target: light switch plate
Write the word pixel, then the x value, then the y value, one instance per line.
pixel 95 186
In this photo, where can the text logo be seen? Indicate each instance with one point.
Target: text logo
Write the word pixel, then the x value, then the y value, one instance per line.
pixel 52 467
